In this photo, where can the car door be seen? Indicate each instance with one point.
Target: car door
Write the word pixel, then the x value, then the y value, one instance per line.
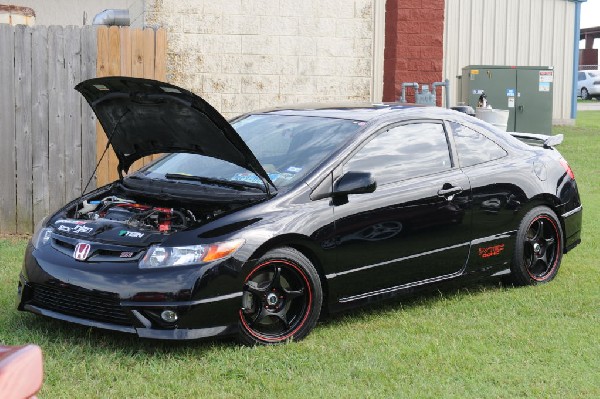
pixel 497 194
pixel 414 227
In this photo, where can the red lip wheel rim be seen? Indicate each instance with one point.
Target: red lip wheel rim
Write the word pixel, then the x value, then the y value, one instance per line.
pixel 277 301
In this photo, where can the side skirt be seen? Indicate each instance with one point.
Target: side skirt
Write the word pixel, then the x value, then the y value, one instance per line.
pixel 395 289
pixel 467 273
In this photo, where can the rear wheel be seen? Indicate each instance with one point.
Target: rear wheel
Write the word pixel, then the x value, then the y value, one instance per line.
pixel 539 248
pixel 282 299
pixel 585 95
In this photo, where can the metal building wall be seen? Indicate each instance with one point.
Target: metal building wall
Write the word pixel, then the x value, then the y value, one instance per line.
pixel 512 32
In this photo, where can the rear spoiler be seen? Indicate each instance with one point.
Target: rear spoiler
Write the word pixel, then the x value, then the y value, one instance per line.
pixel 539 139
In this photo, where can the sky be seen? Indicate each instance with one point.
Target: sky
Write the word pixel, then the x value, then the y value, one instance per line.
pixel 590 14
pixel 590 17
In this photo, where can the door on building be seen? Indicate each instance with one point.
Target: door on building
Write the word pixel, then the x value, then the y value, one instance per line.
pixel 533 106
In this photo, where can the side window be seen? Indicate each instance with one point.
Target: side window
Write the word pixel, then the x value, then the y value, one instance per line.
pixel 403 152
pixel 473 147
pixel 581 76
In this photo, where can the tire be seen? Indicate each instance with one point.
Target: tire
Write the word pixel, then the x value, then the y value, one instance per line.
pixel 282 299
pixel 585 95
pixel 539 248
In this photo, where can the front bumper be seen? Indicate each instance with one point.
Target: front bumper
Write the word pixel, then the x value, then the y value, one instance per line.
pixel 172 334
pixel 126 299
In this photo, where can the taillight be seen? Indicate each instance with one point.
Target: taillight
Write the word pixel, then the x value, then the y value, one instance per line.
pixel 567 168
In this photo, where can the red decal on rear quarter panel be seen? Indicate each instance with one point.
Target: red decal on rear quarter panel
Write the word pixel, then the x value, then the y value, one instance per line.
pixel 491 251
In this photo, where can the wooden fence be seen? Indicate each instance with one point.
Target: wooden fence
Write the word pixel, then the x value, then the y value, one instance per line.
pixel 47 133
pixel 49 141
pixel 127 52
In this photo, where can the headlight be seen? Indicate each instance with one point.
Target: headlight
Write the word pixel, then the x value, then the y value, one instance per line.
pixel 159 256
pixel 41 235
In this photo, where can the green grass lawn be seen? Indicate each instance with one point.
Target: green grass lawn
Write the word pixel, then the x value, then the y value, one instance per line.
pixel 483 341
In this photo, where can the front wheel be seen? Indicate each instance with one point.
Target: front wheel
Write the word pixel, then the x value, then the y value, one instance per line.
pixel 539 248
pixel 585 95
pixel 282 299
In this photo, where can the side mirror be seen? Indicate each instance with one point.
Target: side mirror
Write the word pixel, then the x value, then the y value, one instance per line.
pixel 354 183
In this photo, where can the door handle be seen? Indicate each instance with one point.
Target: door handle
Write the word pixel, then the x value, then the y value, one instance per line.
pixel 520 108
pixel 450 192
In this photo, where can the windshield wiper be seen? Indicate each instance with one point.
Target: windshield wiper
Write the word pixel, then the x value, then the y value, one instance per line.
pixel 218 182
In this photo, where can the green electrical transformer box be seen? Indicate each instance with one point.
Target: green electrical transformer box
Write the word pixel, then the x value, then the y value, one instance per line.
pixel 526 92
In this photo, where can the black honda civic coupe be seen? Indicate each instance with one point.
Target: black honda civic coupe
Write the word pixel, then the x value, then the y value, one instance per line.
pixel 255 228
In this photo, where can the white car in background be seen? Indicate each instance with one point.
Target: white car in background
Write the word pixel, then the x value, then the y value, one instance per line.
pixel 588 84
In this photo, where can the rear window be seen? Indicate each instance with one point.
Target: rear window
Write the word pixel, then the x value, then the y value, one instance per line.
pixel 473 147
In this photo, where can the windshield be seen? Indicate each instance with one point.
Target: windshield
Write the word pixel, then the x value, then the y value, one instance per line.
pixel 288 147
pixel 594 74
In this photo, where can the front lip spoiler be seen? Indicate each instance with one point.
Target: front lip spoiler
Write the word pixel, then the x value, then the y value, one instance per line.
pixel 78 320
pixel 184 334
pixel 173 334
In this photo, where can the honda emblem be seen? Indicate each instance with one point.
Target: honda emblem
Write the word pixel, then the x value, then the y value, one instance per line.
pixel 82 250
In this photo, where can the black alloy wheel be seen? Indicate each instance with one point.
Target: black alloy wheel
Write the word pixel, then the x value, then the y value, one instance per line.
pixel 282 299
pixel 539 248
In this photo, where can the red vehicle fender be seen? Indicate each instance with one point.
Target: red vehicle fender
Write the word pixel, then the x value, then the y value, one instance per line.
pixel 21 371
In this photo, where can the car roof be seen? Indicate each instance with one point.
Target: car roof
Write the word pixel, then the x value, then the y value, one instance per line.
pixel 376 112
pixel 386 112
pixel 352 111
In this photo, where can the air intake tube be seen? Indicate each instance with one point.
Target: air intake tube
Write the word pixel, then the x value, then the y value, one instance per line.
pixel 112 18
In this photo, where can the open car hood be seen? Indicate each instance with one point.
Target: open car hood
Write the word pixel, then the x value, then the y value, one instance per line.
pixel 142 117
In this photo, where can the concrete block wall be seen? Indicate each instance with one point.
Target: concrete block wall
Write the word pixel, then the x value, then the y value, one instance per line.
pixel 242 55
pixel 414 38
pixel 136 13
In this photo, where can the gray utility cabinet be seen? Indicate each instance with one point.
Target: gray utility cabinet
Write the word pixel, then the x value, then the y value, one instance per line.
pixel 524 91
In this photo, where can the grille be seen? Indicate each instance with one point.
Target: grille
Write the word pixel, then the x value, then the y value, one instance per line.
pixel 63 246
pixel 98 253
pixel 78 304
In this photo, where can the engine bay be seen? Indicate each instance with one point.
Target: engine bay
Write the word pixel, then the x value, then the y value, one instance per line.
pixel 138 215
pixel 135 215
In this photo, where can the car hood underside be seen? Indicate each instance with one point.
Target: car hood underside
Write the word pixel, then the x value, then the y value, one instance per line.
pixel 142 117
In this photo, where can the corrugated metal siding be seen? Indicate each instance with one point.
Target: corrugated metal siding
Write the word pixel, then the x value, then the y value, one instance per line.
pixel 512 32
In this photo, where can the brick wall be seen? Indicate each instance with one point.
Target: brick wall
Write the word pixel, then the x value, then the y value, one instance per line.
pixel 242 55
pixel 414 35
pixel 588 56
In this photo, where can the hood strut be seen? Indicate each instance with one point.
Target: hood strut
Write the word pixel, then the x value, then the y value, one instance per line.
pixel 104 153
pixel 266 183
